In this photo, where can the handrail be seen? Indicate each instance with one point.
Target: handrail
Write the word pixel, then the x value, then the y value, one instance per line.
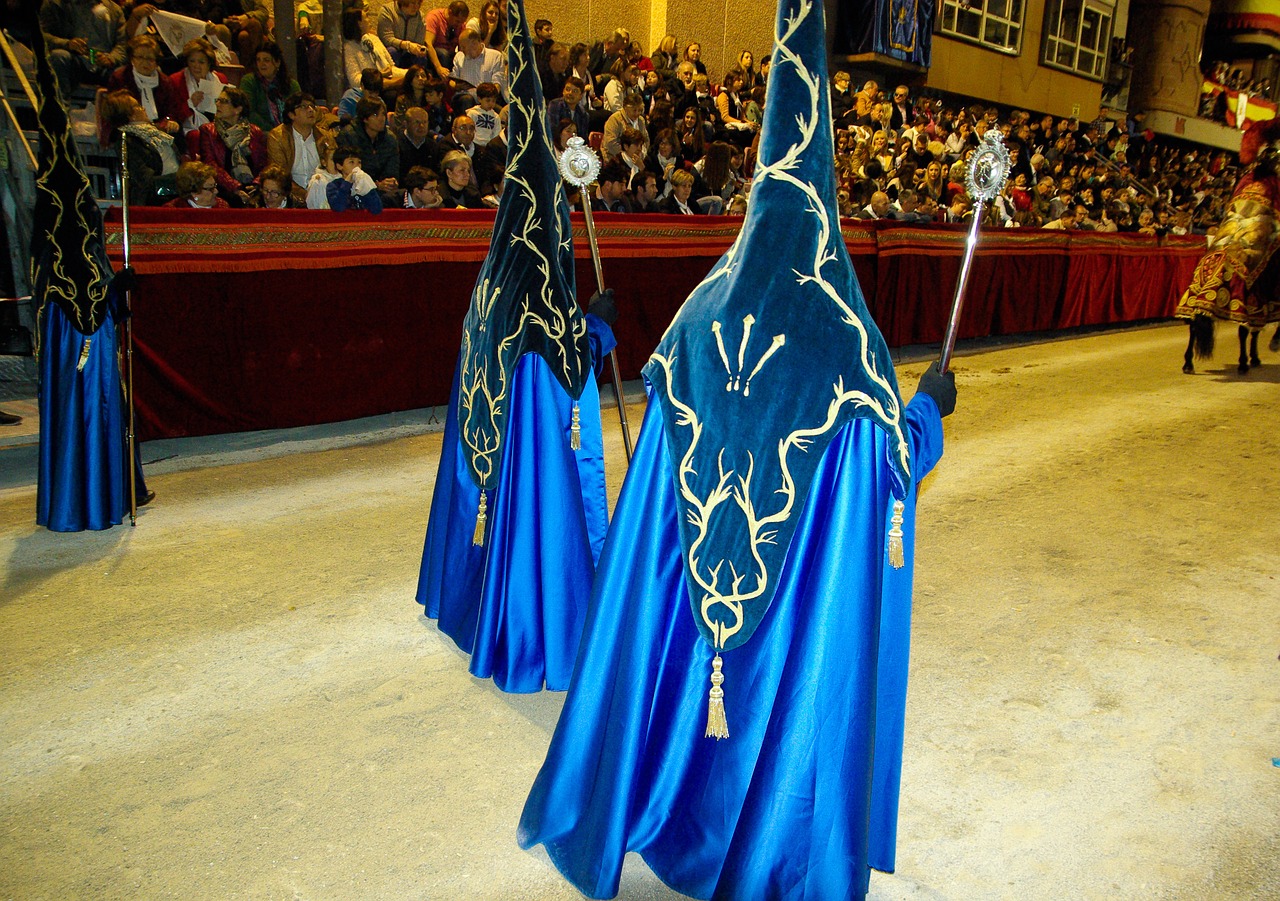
pixel 26 86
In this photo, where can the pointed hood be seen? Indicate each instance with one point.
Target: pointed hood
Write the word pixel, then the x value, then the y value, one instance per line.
pixel 770 356
pixel 69 264
pixel 525 299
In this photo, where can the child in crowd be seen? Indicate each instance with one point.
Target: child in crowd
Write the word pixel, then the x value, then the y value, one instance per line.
pixel 356 189
pixel 485 113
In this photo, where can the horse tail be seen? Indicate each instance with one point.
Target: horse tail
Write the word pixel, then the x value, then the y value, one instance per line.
pixel 1202 336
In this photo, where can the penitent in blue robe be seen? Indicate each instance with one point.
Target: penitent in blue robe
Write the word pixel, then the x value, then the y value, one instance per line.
pixel 83 477
pixel 517 603
pixel 802 798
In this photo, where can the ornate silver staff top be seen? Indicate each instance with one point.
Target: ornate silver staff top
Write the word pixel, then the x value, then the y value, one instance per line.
pixel 988 171
pixel 988 168
pixel 579 164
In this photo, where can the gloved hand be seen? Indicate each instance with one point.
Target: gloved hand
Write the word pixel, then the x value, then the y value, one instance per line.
pixel 602 304
pixel 941 387
pixel 126 279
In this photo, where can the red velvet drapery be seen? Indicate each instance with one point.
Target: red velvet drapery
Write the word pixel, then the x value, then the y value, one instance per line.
pixel 251 320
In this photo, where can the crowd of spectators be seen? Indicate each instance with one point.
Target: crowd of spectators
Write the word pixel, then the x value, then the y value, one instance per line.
pixel 422 125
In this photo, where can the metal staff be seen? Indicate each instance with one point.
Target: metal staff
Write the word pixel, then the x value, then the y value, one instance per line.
pixel 579 166
pixel 130 439
pixel 988 171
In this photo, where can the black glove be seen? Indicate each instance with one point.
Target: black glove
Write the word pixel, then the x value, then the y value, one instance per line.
pixel 941 387
pixel 126 279
pixel 603 305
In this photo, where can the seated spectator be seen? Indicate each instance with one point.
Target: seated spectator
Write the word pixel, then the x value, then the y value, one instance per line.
pixel 153 158
pixel 197 188
pixel 663 159
pixel 691 136
pixel 194 89
pixel 476 64
pixel 555 71
pixel 413 93
pixel 566 106
pixel 959 210
pixel 665 58
pixel 677 201
pixel 458 192
pixel 630 116
pixel 624 81
pixel 610 195
pixel 1065 221
pixel 719 179
pixel 485 113
pixel 705 103
pixel 565 130
pixel 371 87
pixel 403 31
pixel 361 49
pixel 693 56
pixel 86 40
pixel 378 150
pixel 878 208
pixel 417 148
pixel 491 25
pixel 841 98
pixel 297 145
pixel 443 27
pixel 355 189
pixel 683 95
pixel 438 112
pixel 268 86
pixel 604 54
pixel 754 110
pixel 421 189
pixel 632 155
pixel 486 169
pixel 636 57
pixel 731 110
pixel 642 193
pixel 274 189
pixel 911 211
pixel 543 38
pixel 141 77
pixel 326 171
pixel 235 147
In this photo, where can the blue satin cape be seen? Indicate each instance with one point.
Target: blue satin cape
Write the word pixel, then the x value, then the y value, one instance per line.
pixel 82 481
pixel 517 603
pixel 802 797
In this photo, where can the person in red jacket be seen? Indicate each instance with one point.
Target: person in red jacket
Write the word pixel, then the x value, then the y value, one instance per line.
pixel 234 146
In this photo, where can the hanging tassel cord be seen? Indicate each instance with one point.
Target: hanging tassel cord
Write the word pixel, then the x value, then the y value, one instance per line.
pixel 482 515
pixel 896 557
pixel 717 725
pixel 575 429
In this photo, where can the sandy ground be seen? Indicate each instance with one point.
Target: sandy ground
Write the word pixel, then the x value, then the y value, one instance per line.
pixel 239 698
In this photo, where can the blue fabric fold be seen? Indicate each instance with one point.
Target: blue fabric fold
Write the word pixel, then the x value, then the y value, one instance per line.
pixel 83 482
pixel 517 603
pixel 796 803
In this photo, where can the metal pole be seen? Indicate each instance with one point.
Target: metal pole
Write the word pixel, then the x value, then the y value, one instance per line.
pixel 957 302
pixel 130 440
pixel 627 446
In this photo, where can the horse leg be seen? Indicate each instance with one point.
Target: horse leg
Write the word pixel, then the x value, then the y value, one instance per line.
pixel 1274 346
pixel 1187 366
pixel 1243 367
pixel 1254 359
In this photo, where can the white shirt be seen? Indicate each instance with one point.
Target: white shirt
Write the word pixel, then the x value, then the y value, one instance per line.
pixel 305 156
pixel 490 65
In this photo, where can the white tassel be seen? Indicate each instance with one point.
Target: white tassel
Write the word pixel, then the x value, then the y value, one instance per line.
pixel 896 558
pixel 717 725
pixel 575 430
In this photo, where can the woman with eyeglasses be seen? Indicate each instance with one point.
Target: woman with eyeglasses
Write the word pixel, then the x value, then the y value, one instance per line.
pixel 197 188
pixel 195 87
pixel 235 147
pixel 141 77
pixel 273 189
